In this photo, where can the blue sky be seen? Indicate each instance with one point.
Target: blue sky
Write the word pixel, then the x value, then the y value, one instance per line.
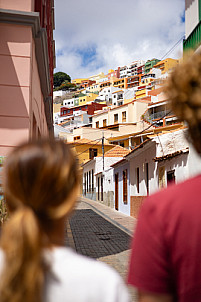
pixel 93 36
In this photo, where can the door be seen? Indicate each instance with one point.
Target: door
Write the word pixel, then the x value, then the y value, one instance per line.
pixel 116 191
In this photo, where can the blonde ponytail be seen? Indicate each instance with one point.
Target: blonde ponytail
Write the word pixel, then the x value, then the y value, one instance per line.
pixel 21 244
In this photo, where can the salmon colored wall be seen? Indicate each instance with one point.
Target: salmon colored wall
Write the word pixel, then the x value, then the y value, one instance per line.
pixel 20 91
pixel 22 5
pixel 15 55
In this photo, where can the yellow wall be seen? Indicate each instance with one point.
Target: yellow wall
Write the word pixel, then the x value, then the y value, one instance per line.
pixel 166 64
pixel 93 88
pixel 56 108
pixel 78 81
pixel 83 151
pixel 140 93
pixel 87 98
pixel 119 83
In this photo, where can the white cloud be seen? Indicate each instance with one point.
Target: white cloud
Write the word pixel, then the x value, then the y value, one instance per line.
pixel 117 31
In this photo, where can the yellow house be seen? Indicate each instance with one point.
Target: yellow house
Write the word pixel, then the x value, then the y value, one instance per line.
pixel 78 81
pixel 166 64
pixel 141 92
pixel 90 97
pixel 119 83
pixel 88 149
pixel 94 88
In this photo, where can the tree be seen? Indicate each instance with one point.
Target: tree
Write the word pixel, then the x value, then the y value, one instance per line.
pixel 60 77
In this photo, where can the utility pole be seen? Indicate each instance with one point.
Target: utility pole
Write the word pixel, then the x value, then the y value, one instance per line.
pixel 103 149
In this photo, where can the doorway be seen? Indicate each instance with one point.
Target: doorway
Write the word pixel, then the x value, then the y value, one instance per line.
pixel 170 177
pixel 117 191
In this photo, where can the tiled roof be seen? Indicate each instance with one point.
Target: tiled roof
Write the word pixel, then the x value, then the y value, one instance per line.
pixel 117 151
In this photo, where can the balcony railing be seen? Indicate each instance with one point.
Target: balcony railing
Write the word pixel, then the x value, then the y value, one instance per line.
pixel 157 115
pixel 194 40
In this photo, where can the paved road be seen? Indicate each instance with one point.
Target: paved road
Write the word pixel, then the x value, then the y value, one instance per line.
pixel 96 231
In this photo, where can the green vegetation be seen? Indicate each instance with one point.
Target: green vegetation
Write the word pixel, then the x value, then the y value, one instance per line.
pixel 62 81
pixel 60 77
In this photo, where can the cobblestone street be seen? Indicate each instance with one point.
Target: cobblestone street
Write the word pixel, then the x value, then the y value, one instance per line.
pixel 102 233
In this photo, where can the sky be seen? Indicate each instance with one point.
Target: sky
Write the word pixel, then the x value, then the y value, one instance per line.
pixel 93 36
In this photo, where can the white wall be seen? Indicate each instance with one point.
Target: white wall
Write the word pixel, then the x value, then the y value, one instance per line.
pixel 138 160
pixel 191 17
pixel 69 102
pixel 123 207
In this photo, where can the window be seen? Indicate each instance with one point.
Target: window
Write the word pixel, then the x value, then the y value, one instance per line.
pixel 89 181
pixel 85 183
pixel 92 180
pixel 101 188
pixel 121 144
pixel 98 188
pixel 116 118
pixel 124 116
pixel 104 123
pixel 147 177
pixel 68 111
pixel 125 186
pixel 86 106
pixel 64 112
pixel 76 138
pixel 92 153
pixel 138 179
pixel 97 124
pixel 115 96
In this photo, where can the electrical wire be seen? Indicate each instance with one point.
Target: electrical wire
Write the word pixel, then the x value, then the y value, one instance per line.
pixel 89 148
pixel 173 47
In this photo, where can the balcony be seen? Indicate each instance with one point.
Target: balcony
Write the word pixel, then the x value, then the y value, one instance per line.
pixel 194 40
pixel 151 117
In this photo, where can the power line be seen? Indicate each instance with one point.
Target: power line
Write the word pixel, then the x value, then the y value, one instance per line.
pixel 173 47
pixel 152 124
pixel 89 148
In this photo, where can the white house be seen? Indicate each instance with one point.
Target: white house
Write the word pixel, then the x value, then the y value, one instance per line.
pixel 98 176
pixel 69 102
pixel 156 163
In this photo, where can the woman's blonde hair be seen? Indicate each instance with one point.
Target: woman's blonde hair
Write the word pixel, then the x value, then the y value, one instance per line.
pixel 40 180
pixel 183 88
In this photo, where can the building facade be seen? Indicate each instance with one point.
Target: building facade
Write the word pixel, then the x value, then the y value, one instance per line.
pixel 27 60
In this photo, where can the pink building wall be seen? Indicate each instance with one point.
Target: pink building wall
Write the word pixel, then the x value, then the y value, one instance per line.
pixel 22 110
pixel 22 5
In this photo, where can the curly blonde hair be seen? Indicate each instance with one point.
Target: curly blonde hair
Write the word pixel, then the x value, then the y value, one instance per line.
pixel 183 88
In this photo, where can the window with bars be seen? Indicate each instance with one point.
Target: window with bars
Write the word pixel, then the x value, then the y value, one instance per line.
pixel 116 118
pixel 125 186
pixel 89 181
pixel 138 179
pixel 92 180
pixel 92 153
pixel 104 123
pixel 124 116
pixel 97 124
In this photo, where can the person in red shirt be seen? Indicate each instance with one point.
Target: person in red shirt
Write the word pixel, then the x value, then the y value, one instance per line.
pixel 165 262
